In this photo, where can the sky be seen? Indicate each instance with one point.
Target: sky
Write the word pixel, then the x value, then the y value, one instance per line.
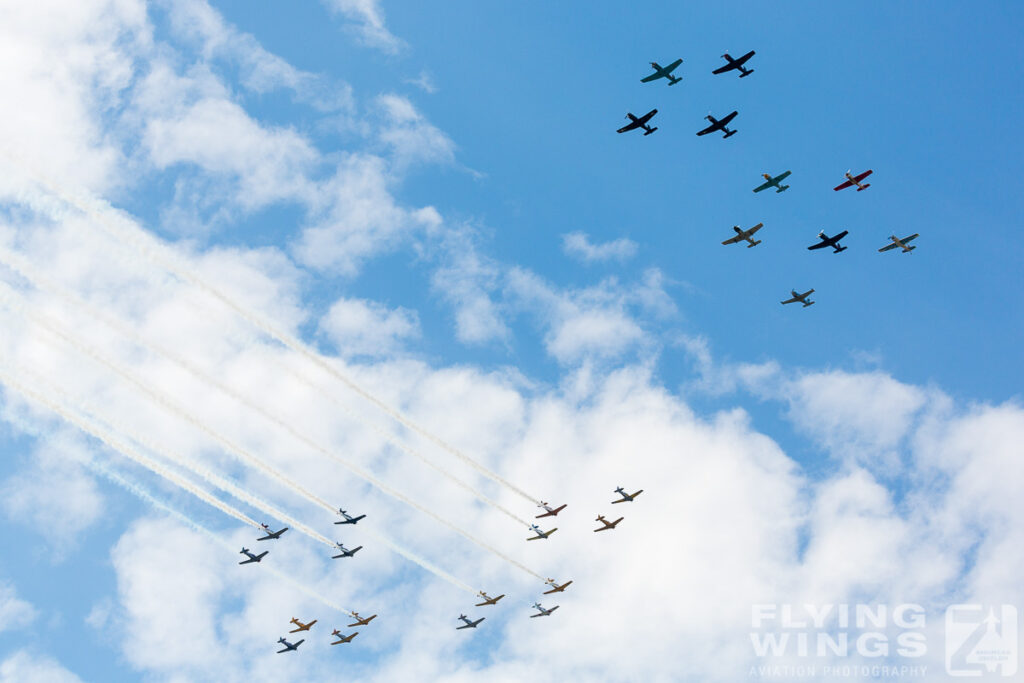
pixel 261 260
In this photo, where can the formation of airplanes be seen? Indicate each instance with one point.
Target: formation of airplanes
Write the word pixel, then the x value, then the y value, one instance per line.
pixel 305 627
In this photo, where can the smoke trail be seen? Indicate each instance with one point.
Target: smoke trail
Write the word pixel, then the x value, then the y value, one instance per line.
pixel 29 272
pixel 8 297
pixel 148 497
pixel 423 563
pixel 126 449
pixel 151 249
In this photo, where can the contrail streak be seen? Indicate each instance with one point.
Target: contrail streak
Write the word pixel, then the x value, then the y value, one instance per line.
pixel 148 497
pixel 11 299
pixel 45 284
pixel 151 249
pixel 6 297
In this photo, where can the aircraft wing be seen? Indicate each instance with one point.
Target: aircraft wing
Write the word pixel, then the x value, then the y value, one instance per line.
pixel 862 176
pixel 751 232
pixel 710 129
pixel 889 246
pixel 820 245
pixel 728 67
pixel 731 240
pixel 653 77
pixel 766 185
pixel 907 239
pixel 782 176
pixel 791 301
pixel 843 186
pixel 724 122
pixel 632 125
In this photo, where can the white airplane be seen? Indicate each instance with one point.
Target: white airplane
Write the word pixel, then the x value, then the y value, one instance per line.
pixel 543 612
pixel 550 511
pixel 802 298
pixel 469 624
pixel 901 243
pixel 745 235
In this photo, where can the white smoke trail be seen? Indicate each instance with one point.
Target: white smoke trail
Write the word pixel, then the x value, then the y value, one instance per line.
pixel 8 297
pixel 153 250
pixel 148 497
pixel 45 284
pixel 236 450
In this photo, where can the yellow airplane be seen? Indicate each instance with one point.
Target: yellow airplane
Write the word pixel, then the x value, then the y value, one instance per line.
pixel 301 626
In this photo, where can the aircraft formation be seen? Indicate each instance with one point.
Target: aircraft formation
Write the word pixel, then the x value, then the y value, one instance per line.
pixel 721 125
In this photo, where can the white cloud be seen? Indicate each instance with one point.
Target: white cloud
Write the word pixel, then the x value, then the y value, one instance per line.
pixel 578 245
pixel 15 613
pixel 362 327
pixel 409 136
pixel 369 23
pixel 29 667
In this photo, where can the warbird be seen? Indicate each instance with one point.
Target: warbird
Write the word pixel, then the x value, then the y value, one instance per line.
pixel 550 511
pixel 488 600
pixel 773 182
pixel 626 497
pixel 252 558
pixel 288 647
pixel 342 639
pixel 852 180
pixel 555 588
pixel 745 235
pixel 833 242
pixel 299 626
pixel 901 243
pixel 663 72
pixel 345 552
pixel 802 298
pixel 543 612
pixel 349 519
pixel 540 534
pixel 607 525
pixel 639 122
pixel 360 621
pixel 271 534
pixel 469 624
pixel 719 124
pixel 735 64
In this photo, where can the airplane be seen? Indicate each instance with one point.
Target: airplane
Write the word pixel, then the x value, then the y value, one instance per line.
pixel 349 519
pixel 345 552
pixel 607 525
pixel 854 180
pixel 360 621
pixel 252 558
pixel 271 534
pixel 745 235
pixel 540 534
pixel 543 612
pixel 626 497
pixel 719 124
pixel 640 122
pixel 735 64
pixel 774 182
pixel 469 624
pixel 833 242
pixel 489 601
pixel 901 243
pixel 551 512
pixel 555 588
pixel 342 639
pixel 663 72
pixel 802 298
pixel 288 647
pixel 300 626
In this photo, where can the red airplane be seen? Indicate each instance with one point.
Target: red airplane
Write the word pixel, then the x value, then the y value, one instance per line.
pixel 551 512
pixel 854 180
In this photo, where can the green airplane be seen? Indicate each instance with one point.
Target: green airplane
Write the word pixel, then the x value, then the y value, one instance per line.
pixel 663 72
pixel 774 182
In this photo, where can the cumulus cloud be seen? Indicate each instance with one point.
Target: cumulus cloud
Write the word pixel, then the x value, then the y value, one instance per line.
pixel 578 245
pixel 29 667
pixel 369 23
pixel 362 327
pixel 15 613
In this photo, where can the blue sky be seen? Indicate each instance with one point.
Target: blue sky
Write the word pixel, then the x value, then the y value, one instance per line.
pixel 396 183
